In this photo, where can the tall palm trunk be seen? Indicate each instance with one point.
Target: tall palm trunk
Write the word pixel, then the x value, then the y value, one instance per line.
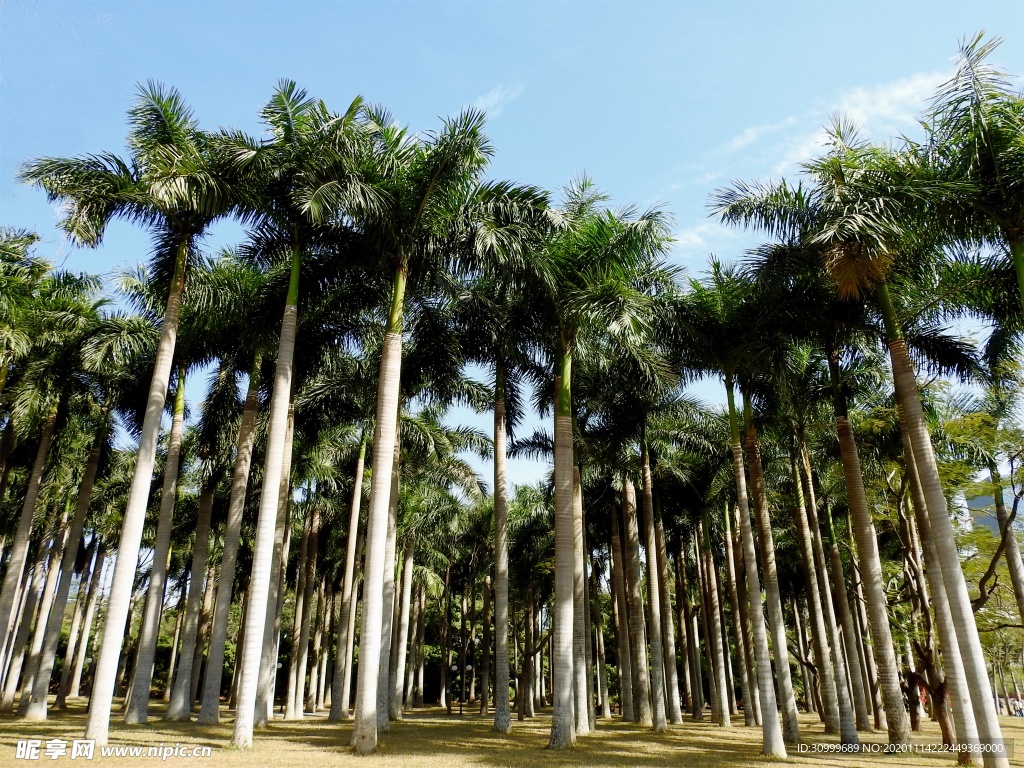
pixel 849 633
pixel 898 722
pixel 639 671
pixel 347 625
pixel 271 624
pixel 952 664
pixel 739 631
pixel 39 631
pixel 744 605
pixel 772 741
pixel 179 619
pixel 502 712
pixel 398 669
pixel 619 612
pixel 971 652
pixel 388 616
pixel 75 632
pixel 660 722
pixel 209 713
pixel 485 664
pixel 75 684
pixel 309 586
pixel 145 649
pixel 23 534
pixel 36 709
pixel 33 588
pixel 582 700
pixel 776 621
pixel 849 721
pixel 266 522
pixel 675 712
pixel 696 703
pixel 364 731
pixel 118 604
pixel 180 707
pixel 1011 551
pixel 822 641
pixel 717 649
pixel 563 726
pixel 602 669
pixel 301 610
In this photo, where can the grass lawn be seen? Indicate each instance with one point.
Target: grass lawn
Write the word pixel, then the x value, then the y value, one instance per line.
pixel 430 739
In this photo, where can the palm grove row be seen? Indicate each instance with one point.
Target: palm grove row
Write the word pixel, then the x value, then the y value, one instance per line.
pixel 794 549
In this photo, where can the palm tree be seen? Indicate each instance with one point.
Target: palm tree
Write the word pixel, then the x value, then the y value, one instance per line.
pixel 287 202
pixel 710 339
pixel 974 152
pixel 431 203
pixel 598 268
pixel 864 234
pixel 171 185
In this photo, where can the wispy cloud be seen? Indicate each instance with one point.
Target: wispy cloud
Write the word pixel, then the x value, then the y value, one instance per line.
pixel 880 111
pixel 495 100
pixel 693 244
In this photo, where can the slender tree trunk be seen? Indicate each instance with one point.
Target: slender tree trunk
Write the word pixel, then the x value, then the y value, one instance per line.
pixel 347 625
pixel 744 606
pixel 263 545
pixel 301 608
pixel 180 708
pixel 75 634
pixel 776 621
pixel 309 585
pixel 485 669
pixel 660 723
pixel 23 533
pixel 502 713
pixel 773 744
pixel 642 712
pixel 398 671
pixel 90 612
pixel 145 650
pixel 738 626
pixel 693 640
pixel 582 703
pixel 387 622
pixel 820 639
pixel 971 652
pixel 134 520
pixel 409 700
pixel 602 668
pixel 620 612
pixel 312 700
pixel 209 713
pixel 716 641
pixel 952 664
pixel 42 619
pixel 420 656
pixel 205 618
pixel 36 709
pixel 563 728
pixel 179 620
pixel 675 712
pixel 270 625
pixel 364 732
pixel 1011 551
pixel 33 588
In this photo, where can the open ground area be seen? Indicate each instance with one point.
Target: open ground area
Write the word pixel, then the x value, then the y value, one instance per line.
pixel 431 739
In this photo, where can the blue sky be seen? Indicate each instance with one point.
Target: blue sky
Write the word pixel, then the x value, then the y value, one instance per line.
pixel 659 102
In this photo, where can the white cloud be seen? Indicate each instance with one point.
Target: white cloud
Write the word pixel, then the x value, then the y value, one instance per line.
pixel 754 133
pixel 693 244
pixel 880 111
pixel 495 100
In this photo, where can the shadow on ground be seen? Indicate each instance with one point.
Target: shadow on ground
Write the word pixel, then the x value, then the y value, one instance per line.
pixel 431 739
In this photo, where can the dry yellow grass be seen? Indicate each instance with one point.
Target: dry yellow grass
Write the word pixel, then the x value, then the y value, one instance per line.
pixel 429 739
